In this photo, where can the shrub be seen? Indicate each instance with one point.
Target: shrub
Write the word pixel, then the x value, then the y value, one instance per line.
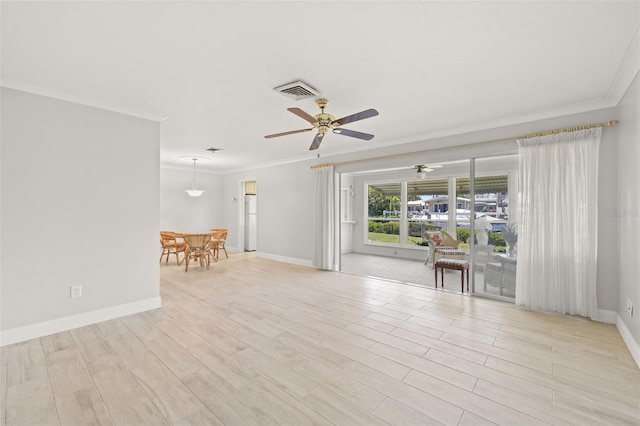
pixel 462 234
pixel 496 239
pixel 384 227
pixel 415 229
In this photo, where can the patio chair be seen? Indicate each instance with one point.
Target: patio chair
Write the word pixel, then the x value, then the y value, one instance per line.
pixel 441 245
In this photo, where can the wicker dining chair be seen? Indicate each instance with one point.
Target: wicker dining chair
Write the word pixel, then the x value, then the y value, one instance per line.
pixel 218 242
pixel 170 245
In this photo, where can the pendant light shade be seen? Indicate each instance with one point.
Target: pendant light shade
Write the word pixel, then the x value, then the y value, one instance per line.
pixel 194 191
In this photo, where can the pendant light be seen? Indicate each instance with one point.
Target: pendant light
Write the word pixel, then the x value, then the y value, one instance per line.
pixel 194 191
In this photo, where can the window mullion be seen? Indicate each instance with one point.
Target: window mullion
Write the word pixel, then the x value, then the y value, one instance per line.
pixel 404 232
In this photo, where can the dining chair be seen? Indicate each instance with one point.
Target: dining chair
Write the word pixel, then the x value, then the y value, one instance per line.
pixel 171 245
pixel 198 249
pixel 218 241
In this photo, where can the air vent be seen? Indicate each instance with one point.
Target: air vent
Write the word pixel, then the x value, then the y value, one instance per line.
pixel 297 90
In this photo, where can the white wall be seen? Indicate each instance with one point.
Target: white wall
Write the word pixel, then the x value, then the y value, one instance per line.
pixel 285 202
pixel 625 215
pixel 80 206
pixel 181 213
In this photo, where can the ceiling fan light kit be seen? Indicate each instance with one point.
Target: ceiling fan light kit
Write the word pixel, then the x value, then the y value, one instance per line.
pixel 325 122
pixel 422 169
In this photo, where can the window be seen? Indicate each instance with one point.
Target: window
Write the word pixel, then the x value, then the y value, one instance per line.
pixel 400 212
pixel 384 211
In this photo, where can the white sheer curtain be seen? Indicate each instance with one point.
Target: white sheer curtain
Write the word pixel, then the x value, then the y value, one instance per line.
pixel 558 222
pixel 323 255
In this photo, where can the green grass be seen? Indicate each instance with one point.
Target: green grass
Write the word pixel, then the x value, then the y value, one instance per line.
pixel 391 239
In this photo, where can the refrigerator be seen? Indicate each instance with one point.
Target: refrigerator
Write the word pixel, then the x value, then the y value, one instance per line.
pixel 250 223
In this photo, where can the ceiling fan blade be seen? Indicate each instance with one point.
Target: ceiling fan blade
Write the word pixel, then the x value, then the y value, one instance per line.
pixel 316 142
pixel 275 135
pixel 353 134
pixel 355 117
pixel 300 113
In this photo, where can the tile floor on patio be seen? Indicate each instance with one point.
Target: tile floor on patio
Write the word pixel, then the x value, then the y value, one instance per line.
pixel 407 271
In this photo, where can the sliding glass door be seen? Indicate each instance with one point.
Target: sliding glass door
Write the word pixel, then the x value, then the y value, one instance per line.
pixel 476 209
pixel 495 204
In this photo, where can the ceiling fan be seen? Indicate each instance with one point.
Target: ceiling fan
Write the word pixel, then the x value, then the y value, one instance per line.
pixel 325 122
pixel 422 169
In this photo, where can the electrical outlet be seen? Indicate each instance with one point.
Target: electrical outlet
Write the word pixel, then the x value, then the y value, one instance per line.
pixel 629 306
pixel 76 291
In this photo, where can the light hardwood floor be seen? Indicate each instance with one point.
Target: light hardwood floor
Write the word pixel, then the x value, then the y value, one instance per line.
pixel 253 341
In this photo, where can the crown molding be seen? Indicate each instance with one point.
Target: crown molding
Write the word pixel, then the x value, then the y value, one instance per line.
pixel 627 70
pixel 36 90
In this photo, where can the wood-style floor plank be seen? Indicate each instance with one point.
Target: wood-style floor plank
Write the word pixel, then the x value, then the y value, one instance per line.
pixel 257 342
pixel 487 408
pixel 338 410
pixel 288 410
pixel 4 351
pixel 395 413
pixel 84 407
pixel 226 402
pixel 432 406
pixel 336 382
pixel 31 403
pixel 25 362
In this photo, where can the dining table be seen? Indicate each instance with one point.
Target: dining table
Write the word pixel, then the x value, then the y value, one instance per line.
pixel 199 246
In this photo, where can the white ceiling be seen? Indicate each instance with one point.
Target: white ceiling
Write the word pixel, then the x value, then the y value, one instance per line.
pixel 430 68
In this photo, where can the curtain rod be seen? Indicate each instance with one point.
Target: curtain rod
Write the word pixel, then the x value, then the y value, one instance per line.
pixel 319 166
pixel 571 129
pixel 530 135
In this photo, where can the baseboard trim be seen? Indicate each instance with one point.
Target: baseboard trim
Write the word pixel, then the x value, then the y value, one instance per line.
pixel 607 316
pixel 278 258
pixel 631 343
pixel 33 331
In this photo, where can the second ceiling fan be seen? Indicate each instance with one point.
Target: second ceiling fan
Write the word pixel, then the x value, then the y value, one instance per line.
pixel 422 169
pixel 325 122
